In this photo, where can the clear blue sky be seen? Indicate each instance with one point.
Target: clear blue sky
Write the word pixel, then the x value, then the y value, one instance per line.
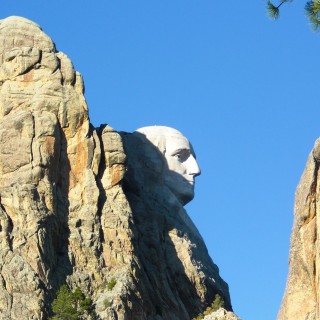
pixel 242 88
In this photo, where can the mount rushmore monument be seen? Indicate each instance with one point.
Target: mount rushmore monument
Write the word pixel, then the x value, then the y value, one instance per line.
pixel 86 206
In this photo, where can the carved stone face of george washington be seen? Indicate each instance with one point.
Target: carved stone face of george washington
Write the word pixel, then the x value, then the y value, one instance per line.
pixel 180 158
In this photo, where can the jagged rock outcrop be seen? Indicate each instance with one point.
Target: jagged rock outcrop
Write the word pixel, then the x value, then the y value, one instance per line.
pixel 302 296
pixel 71 207
pixel 221 314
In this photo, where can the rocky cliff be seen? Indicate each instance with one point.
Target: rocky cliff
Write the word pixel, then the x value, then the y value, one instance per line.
pixel 302 296
pixel 80 205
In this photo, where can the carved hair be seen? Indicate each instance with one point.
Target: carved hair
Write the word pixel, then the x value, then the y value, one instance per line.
pixel 155 134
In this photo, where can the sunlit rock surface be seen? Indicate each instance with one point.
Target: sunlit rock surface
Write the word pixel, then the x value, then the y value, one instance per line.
pixel 221 314
pixel 302 295
pixel 73 206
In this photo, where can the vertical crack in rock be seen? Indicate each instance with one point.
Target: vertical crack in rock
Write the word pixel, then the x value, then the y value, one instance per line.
pixel 102 167
pixel 316 193
pixel 6 226
pixel 32 142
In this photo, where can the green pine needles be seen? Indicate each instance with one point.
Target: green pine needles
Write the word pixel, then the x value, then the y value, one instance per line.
pixel 72 305
pixel 312 10
pixel 274 11
pixel 111 283
pixel 217 303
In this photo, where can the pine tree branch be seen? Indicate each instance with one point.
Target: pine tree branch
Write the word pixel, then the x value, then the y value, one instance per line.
pixel 312 9
pixel 274 11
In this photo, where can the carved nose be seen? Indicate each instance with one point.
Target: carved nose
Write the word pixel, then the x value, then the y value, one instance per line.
pixel 193 167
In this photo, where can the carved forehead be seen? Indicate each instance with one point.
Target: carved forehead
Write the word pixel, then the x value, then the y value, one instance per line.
pixel 166 138
pixel 157 131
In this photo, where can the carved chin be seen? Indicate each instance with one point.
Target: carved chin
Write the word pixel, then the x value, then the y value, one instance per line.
pixel 180 187
pixel 184 197
pixel 185 200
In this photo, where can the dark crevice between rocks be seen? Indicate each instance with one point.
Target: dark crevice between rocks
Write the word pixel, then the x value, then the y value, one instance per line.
pixel 32 140
pixel 8 228
pixel 102 193
pixel 59 265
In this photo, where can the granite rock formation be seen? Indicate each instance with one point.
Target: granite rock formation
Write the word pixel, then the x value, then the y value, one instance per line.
pixel 302 295
pixel 72 206
pixel 221 314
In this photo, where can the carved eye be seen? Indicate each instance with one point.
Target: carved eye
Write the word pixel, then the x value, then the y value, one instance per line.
pixel 182 155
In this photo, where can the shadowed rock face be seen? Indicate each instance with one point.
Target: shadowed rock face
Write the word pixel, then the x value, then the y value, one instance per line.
pixel 301 299
pixel 64 216
pixel 175 265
